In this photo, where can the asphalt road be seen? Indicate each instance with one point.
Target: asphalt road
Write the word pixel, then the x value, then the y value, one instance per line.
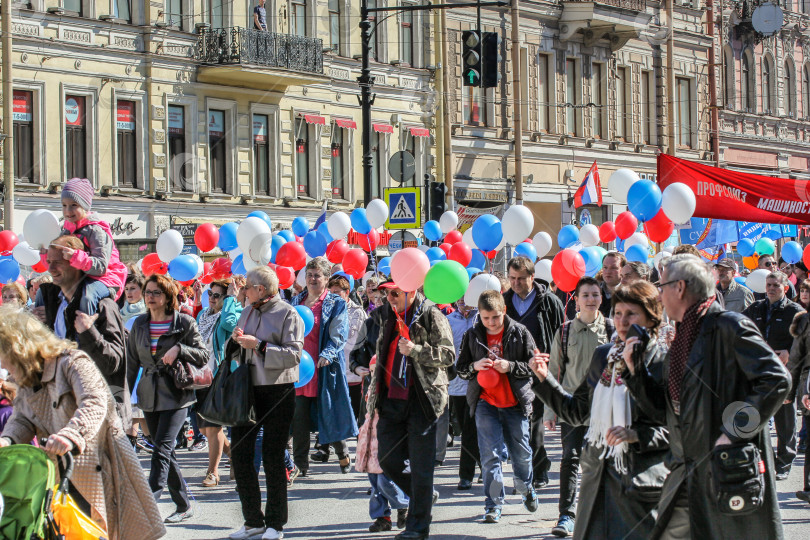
pixel 330 505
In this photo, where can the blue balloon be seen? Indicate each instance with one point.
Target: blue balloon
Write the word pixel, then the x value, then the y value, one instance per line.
pixel 773 234
pixel 306 370
pixel 324 230
pixel 263 216
pixel 307 317
pixel 128 326
pixel 741 281
pixel 593 260
pixel 745 247
pixel 287 235
pixel 181 268
pixel 487 233
pixel 204 301
pixel 637 253
pixel 567 236
pixel 478 260
pixel 472 271
pixel 227 237
pixel 435 254
pixel 300 226
pixel 792 252
pixel 433 231
pixel 314 244
pixel 384 266
pixel 10 270
pixel 349 278
pixel 359 221
pixel 526 249
pixel 644 199
pixel 238 266
pixel 276 244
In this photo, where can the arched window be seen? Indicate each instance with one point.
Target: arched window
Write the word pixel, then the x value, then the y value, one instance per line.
pixel 730 70
pixel 789 92
pixel 747 84
pixel 806 91
pixel 767 86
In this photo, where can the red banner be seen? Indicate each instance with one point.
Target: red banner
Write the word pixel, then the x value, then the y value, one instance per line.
pixel 725 194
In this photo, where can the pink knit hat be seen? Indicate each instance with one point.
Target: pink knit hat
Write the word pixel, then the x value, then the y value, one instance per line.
pixel 79 190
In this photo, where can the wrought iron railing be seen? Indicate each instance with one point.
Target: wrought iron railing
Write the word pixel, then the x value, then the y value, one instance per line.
pixel 254 47
pixel 633 5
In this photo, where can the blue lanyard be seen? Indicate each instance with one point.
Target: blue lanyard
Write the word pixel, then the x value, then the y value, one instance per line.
pixel 403 369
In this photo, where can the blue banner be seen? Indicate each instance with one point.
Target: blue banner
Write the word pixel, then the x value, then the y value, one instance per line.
pixel 790 231
pixel 754 231
pixel 707 233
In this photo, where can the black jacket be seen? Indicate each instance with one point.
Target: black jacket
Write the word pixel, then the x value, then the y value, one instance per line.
pixel 366 345
pixel 518 349
pixel 546 307
pixel 777 329
pixel 731 372
pixel 799 362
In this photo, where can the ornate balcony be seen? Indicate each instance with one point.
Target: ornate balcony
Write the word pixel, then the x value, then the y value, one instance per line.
pixel 614 20
pixel 245 57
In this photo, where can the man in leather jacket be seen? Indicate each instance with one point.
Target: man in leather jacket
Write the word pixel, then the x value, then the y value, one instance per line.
pixel 722 384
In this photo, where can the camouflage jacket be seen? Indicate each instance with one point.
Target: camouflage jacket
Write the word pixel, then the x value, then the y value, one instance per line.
pixel 432 355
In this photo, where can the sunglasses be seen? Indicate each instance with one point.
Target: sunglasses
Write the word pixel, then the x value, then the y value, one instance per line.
pixel 215 296
pixel 769 264
pixel 394 294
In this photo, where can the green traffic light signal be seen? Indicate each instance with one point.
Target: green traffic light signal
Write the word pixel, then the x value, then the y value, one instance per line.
pixel 471 57
pixel 472 77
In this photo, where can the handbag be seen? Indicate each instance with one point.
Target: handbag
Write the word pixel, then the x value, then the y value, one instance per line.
pixel 738 478
pixel 187 376
pixel 645 476
pixel 230 399
pixel 365 458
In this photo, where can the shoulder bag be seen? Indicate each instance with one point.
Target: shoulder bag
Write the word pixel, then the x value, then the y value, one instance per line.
pixel 230 399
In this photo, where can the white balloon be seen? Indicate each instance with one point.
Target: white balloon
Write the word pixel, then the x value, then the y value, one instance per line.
pixel 542 270
pixel 234 253
pixel 41 227
pixel 249 229
pixel 366 277
pixel 339 225
pixel 502 244
pixel 669 249
pixel 376 213
pixel 448 221
pixel 200 265
pixel 637 238
pixel 423 248
pixel 660 256
pixel 249 264
pixel 756 280
pixel 258 245
pixel 620 182
pixel 678 202
pixel 479 284
pixel 169 245
pixel 24 255
pixel 467 238
pixel 301 278
pixel 517 224
pixel 542 243
pixel 589 235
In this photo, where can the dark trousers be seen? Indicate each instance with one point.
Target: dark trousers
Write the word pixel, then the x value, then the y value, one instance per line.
pixel 785 423
pixel 164 427
pixel 405 432
pixel 275 406
pixel 469 456
pixel 356 399
pixel 302 429
pixel 540 462
pixel 442 431
pixel 571 438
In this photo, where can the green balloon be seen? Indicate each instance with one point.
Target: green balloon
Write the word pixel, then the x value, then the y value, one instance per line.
pixel 446 282
pixel 764 246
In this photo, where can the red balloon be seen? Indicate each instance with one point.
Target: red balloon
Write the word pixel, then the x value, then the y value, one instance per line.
pixel 292 254
pixel 369 241
pixel 626 225
pixel 488 378
pixel 221 268
pixel 206 237
pixel 607 232
pixel 8 240
pixel 461 253
pixel 40 267
pixel 207 275
pixel 336 250
pixel 453 237
pixel 187 283
pixel 446 248
pixel 660 227
pixel 152 264
pixel 355 263
pixel 286 276
pixel 567 268
pixel 806 255
pixel 491 254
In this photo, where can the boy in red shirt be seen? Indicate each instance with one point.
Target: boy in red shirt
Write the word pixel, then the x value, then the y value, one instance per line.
pixel 494 357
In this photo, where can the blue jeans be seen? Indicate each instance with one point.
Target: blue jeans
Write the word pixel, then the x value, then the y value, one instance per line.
pixel 385 495
pixel 496 427
pixel 94 292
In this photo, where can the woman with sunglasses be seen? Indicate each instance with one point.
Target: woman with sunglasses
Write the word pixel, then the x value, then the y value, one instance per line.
pixel 216 323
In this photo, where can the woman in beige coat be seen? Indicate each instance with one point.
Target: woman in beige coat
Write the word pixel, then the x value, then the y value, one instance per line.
pixel 63 397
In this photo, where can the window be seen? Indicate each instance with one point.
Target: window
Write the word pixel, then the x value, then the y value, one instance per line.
pixel 174 13
pixel 378 166
pixel 179 168
pixel 23 136
pixel 406 36
pixel 218 150
pixel 544 92
pixel 622 111
pixel 790 90
pixel 524 88
pixel 126 144
pixel 73 7
pixel 298 22
pixel 122 10
pixel 338 158
pixel 647 107
pixel 747 84
pixel 729 76
pixel 767 86
pixel 334 25
pixel 570 97
pixel 374 52
pixel 261 154
pixel 473 110
pixel 302 155
pixel 75 137
pixel 216 17
pixel 806 90
pixel 684 110
pixel 597 89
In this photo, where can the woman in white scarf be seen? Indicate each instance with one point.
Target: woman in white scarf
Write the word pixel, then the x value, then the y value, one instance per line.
pixel 622 459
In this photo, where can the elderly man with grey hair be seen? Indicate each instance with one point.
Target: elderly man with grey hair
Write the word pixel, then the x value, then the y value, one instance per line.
pixel 773 316
pixel 723 382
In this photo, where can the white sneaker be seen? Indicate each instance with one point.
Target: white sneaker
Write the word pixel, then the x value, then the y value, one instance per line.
pixel 246 534
pixel 272 534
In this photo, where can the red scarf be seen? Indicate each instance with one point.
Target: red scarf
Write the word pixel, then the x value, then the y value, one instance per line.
pixel 686 333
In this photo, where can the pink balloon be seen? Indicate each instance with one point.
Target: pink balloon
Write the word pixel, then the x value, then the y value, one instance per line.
pixel 408 268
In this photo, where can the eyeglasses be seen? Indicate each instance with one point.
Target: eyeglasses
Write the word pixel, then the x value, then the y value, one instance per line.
pixel 215 296
pixel 664 284
pixel 153 292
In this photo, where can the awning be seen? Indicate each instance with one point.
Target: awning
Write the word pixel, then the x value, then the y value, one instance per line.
pixel 315 119
pixel 420 132
pixel 346 124
pixel 383 128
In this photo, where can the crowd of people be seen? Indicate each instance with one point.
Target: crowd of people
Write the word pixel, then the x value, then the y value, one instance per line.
pixel 662 382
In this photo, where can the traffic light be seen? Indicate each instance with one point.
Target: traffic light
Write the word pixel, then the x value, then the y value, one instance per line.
pixel 471 58
pixel 438 205
pixel 491 59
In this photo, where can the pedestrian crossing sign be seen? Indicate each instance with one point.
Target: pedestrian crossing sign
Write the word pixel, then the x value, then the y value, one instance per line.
pixel 404 208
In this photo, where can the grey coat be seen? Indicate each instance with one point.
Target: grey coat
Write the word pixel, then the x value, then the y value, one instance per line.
pixel 156 390
pixel 736 297
pixel 279 325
